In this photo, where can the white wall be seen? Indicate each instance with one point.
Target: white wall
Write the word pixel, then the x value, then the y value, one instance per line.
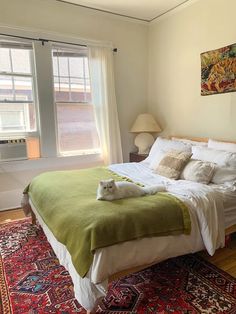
pixel 175 44
pixel 128 36
pixel 15 176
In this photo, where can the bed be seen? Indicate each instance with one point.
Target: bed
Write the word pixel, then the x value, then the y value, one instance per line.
pixel 208 229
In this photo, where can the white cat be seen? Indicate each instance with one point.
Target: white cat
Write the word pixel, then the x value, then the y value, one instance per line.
pixel 110 190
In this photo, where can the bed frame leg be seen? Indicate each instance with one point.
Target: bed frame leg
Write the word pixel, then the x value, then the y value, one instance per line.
pixel 95 306
pixel 228 239
pixel 33 218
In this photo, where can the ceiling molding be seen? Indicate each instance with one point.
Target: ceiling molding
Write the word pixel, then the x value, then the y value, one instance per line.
pixel 172 11
pixel 103 11
pixel 181 5
pixel 167 11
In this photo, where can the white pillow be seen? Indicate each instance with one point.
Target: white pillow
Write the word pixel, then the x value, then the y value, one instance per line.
pixel 224 174
pixel 219 157
pixel 187 141
pixel 158 157
pixel 229 147
pixel 162 146
pixel 198 171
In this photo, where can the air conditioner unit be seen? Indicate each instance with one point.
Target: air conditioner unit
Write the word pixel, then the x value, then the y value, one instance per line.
pixel 13 149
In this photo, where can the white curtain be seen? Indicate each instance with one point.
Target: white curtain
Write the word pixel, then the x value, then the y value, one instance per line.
pixel 104 101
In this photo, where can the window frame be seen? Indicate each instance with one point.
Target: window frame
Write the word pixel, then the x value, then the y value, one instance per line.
pixel 28 45
pixel 78 52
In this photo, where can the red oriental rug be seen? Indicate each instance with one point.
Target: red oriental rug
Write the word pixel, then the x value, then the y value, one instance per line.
pixel 32 281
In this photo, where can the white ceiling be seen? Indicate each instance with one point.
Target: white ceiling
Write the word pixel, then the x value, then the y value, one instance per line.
pixel 139 9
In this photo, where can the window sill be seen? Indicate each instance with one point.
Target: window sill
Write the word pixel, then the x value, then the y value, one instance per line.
pixel 52 163
pixel 80 153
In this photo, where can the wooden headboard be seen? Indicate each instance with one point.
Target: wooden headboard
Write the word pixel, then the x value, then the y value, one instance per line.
pixel 200 139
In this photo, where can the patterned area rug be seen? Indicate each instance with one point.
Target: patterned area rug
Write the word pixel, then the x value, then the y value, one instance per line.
pixel 32 281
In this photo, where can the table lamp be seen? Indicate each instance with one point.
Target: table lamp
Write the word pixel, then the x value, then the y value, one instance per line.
pixel 144 125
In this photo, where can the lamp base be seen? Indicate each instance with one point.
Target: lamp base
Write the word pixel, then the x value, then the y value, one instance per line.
pixel 144 142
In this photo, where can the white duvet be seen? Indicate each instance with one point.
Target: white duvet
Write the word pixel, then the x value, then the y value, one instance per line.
pixel 207 220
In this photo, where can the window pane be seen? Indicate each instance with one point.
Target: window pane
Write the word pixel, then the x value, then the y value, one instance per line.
pixel 21 61
pixel 55 66
pixel 77 90
pixel 15 88
pixel 76 128
pixel 23 88
pixel 71 76
pixel 63 66
pixel 6 88
pixel 86 67
pixel 17 117
pixel 76 67
pixel 64 84
pixel 80 90
pixel 5 65
pixel 62 88
pixel 17 106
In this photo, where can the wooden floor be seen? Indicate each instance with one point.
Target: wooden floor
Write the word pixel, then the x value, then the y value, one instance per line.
pixel 9 215
pixel 223 258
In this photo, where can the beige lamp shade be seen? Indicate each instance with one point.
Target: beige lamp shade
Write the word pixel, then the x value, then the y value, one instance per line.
pixel 144 125
pixel 145 122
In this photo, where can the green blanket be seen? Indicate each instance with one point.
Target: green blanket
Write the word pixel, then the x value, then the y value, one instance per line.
pixel 66 201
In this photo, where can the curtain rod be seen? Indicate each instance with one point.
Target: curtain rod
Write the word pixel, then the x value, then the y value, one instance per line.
pixel 43 40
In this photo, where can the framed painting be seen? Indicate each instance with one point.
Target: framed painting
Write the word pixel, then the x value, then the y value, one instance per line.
pixel 218 71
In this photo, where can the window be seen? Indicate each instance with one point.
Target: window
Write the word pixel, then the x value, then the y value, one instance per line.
pixel 17 103
pixel 64 115
pixel 76 127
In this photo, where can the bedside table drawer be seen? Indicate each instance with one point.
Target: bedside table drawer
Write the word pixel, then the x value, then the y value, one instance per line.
pixel 135 157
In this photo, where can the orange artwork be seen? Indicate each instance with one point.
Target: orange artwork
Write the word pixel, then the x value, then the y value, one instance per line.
pixel 218 71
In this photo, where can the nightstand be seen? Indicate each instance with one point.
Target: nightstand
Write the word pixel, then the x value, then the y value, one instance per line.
pixel 135 157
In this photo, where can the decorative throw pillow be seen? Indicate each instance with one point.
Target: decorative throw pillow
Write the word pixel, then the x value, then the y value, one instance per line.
pixel 172 164
pixel 198 171
pixel 163 146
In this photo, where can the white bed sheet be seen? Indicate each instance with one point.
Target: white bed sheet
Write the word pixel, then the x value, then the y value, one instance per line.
pixel 228 192
pixel 230 219
pixel 207 218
